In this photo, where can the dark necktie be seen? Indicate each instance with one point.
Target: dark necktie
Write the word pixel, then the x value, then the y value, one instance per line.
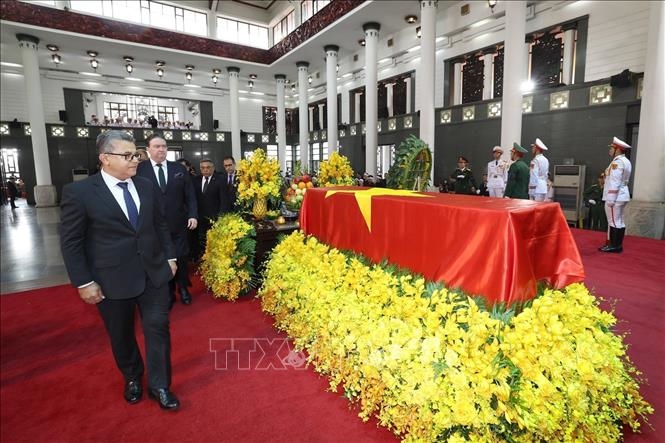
pixel 162 178
pixel 496 163
pixel 205 185
pixel 132 212
pixel 230 180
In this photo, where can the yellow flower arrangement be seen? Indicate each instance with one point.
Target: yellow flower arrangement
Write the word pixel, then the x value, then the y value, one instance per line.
pixel 227 266
pixel 336 171
pixel 258 177
pixel 436 365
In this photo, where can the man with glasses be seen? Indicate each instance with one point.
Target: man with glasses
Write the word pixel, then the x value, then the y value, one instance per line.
pixel 179 202
pixel 118 253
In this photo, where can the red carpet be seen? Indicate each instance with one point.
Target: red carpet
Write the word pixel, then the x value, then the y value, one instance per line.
pixel 58 381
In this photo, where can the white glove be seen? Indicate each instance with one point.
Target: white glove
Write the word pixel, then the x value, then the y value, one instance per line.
pixel 591 201
pixel 610 203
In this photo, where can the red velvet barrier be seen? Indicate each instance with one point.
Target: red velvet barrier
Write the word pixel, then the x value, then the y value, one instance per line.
pixel 497 248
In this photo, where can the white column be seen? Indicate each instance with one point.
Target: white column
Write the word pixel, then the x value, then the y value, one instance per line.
pixel 645 215
pixel 297 14
pixel 425 85
pixel 527 60
pixel 331 88
pixel 488 77
pixel 44 190
pixel 457 84
pixel 321 125
pixel 371 100
pixel 356 107
pixel 513 74
pixel 281 121
pixel 408 95
pixel 568 54
pixel 311 116
pixel 389 99
pixel 303 114
pixel 234 73
pixel 212 24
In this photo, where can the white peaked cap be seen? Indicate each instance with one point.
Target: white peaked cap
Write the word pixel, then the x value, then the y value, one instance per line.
pixel 620 143
pixel 497 148
pixel 540 144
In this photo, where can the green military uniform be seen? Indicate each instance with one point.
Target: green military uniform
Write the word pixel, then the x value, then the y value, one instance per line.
pixel 517 185
pixel 593 197
pixel 462 179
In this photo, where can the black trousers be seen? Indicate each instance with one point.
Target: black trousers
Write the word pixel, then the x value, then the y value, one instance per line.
pixel 118 316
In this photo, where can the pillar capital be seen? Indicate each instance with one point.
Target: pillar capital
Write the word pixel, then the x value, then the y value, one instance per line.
pixel 429 3
pixel 371 26
pixel 280 77
pixel 302 64
pixel 28 41
pixel 233 70
pixel 331 48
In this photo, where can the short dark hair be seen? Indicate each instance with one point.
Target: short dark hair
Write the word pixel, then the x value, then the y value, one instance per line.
pixel 152 136
pixel 106 139
pixel 229 157
pixel 206 160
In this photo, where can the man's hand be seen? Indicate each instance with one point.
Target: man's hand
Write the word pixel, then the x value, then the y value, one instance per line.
pixel 592 201
pixel 91 294
pixel 174 266
pixel 610 203
pixel 191 224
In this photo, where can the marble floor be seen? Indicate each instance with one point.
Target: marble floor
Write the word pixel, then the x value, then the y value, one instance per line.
pixel 30 254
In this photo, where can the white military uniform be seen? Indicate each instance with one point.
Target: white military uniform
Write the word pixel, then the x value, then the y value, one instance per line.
pixel 538 169
pixel 497 177
pixel 615 191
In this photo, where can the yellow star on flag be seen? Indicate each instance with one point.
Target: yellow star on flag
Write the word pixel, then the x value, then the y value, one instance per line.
pixel 364 199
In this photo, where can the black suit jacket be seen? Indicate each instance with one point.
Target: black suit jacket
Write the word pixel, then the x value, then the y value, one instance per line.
pixel 213 201
pixel 98 242
pixel 230 193
pixel 178 201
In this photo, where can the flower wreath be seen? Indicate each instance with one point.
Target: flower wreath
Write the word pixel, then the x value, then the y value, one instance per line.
pixel 227 266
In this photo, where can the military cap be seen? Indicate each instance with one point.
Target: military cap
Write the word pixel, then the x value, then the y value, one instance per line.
pixel 462 159
pixel 539 143
pixel 518 148
pixel 497 148
pixel 620 144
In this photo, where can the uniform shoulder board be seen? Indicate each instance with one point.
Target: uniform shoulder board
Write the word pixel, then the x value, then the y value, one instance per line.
pixel 614 165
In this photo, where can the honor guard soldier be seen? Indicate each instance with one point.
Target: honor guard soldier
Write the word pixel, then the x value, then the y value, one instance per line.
pixel 517 185
pixel 462 179
pixel 497 174
pixel 616 194
pixel 539 168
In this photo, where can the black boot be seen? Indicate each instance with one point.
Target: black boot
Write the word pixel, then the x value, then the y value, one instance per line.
pixel 609 244
pixel 618 243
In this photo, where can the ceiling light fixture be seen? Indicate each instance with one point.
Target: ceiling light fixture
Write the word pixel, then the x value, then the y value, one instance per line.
pixel 215 79
pixel 129 67
pixel 361 42
pixel 94 63
pixel 93 54
pixel 56 59
pixel 418 32
pixel 53 48
pixel 160 72
pixel 216 71
pixel 250 84
pixel 188 76
pixel 410 19
pixel 491 4
pixel 309 79
pixel 252 76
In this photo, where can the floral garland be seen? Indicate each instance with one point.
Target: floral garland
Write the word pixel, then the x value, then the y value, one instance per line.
pixel 227 266
pixel 258 177
pixel 336 171
pixel 435 365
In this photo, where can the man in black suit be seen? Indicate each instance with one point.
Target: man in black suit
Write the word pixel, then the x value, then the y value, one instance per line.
pixel 210 188
pixel 231 188
pixel 118 253
pixel 179 204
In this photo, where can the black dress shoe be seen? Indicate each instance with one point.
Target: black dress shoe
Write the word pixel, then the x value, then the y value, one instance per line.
pixel 133 391
pixel 165 398
pixel 185 296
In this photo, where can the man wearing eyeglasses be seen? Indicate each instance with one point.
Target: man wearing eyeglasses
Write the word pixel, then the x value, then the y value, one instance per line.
pixel 180 209
pixel 118 253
